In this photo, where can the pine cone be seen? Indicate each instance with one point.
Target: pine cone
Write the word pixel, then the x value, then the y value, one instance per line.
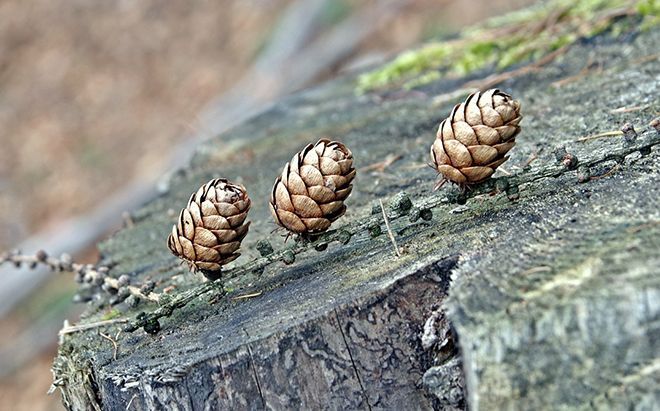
pixel 310 193
pixel 473 141
pixel 211 227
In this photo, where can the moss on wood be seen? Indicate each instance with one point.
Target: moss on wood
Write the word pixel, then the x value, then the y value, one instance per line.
pixel 509 40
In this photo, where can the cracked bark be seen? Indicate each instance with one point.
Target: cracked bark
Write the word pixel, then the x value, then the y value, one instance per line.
pixel 355 369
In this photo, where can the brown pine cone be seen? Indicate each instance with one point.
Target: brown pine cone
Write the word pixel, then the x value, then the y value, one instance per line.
pixel 473 141
pixel 211 227
pixel 310 193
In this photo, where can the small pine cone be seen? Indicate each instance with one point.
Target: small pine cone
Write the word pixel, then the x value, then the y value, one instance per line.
pixel 310 193
pixel 211 227
pixel 473 141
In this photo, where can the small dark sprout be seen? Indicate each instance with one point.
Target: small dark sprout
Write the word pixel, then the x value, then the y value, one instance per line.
pixel 375 230
pixel 559 153
pixel 41 256
pixel 629 133
pixel 401 203
pixel 264 247
pixel 570 161
pixel 655 123
pixel 288 257
pixel 152 327
pixel 164 299
pixel 513 192
pixel 426 214
pixel 583 174
pixel 502 185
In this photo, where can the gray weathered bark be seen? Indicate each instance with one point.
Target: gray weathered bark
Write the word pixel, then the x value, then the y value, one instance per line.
pixel 554 284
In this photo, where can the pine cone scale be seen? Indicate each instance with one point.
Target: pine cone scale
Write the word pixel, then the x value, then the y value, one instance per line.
pixel 321 194
pixel 205 237
pixel 477 173
pixel 296 185
pixel 309 194
pixel 343 194
pixel 311 176
pixel 291 221
pixel 486 135
pixel 452 173
pixel 186 224
pixel 282 197
pixel 474 140
pixel 236 220
pixel 482 154
pixel 458 153
pixel 330 209
pixel 306 207
pixel 226 248
pixel 329 166
pixel 215 222
pixel 503 148
pixel 310 156
pixel 226 209
pixel 465 134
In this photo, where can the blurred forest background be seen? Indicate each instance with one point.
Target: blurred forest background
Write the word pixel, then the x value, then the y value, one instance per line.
pixel 99 99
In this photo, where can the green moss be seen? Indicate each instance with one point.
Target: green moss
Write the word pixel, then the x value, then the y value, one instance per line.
pixel 426 78
pixel 406 65
pixel 476 56
pixel 562 41
pixel 586 8
pixel 111 315
pixel 650 10
pixel 530 34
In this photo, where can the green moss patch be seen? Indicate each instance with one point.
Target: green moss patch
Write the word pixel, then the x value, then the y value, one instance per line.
pixel 499 43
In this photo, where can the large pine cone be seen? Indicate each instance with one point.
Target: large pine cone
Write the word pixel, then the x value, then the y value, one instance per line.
pixel 310 193
pixel 473 141
pixel 211 227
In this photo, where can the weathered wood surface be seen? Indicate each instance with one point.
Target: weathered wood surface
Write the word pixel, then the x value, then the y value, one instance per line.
pixel 555 288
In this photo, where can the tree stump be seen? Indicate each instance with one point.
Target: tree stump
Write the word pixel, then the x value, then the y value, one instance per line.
pixel 548 273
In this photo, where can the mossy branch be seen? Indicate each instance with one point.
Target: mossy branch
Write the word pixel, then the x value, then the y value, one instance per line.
pixel 399 207
pixel 88 274
pixel 519 37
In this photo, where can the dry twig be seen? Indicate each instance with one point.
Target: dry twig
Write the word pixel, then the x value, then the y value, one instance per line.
pixel 85 273
pixel 601 135
pixel 382 165
pixel 633 109
pixel 68 329
pixel 539 269
pixel 130 402
pixel 114 344
pixel 389 230
pixel 252 295
pixel 607 174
